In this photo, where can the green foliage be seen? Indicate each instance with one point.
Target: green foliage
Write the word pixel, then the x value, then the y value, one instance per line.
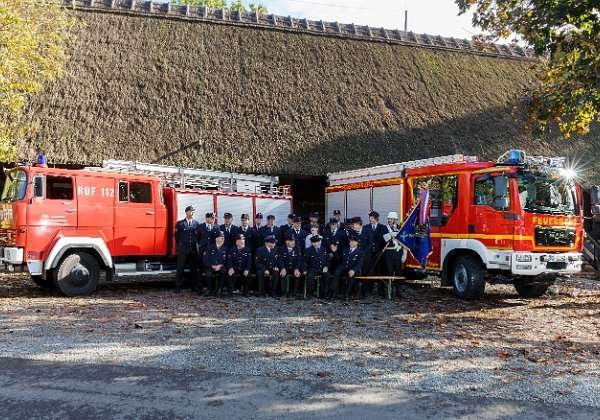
pixel 567 34
pixel 34 35
pixel 233 5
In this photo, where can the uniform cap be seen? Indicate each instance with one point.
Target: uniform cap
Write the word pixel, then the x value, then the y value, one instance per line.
pixel 258 216
pixel 207 215
pixel 356 220
pixel 219 234
pixel 314 214
pixel 333 220
pixel 190 208
pixel 374 214
pixel 392 215
pixel 297 219
pixel 270 217
pixel 239 236
pixel 270 239
pixel 290 237
pixel 338 212
pixel 315 238
pixel 227 215
pixel 244 216
pixel 291 216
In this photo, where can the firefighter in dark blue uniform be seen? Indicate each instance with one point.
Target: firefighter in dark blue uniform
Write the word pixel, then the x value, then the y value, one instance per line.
pixel 269 229
pixel 215 259
pixel 255 242
pixel 299 234
pixel 290 265
pixel 228 229
pixel 376 230
pixel 239 263
pixel 351 266
pixel 313 220
pixel 208 230
pixel 332 232
pixel 283 229
pixel 365 244
pixel 267 264
pixel 187 232
pixel 315 262
pixel 244 229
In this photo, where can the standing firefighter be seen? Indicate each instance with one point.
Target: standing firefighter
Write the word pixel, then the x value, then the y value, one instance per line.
pixel 187 233
pixel 267 264
pixel 239 263
pixel 394 254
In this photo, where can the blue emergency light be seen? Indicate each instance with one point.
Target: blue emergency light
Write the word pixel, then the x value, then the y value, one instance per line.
pixel 41 160
pixel 512 157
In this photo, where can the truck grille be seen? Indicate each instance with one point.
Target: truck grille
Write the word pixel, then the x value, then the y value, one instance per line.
pixel 554 236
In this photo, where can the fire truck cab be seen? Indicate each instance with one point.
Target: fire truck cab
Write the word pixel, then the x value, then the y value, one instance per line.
pixel 67 227
pixel 515 220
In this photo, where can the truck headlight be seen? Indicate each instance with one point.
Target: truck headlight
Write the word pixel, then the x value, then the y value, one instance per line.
pixel 523 257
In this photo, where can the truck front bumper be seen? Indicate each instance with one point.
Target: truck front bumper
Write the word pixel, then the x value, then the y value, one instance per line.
pixel 533 264
pixel 11 260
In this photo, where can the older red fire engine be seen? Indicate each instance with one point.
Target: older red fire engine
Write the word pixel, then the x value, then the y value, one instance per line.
pixel 66 227
pixel 514 220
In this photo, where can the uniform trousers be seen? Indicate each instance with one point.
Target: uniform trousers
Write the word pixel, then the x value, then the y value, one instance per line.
pixel 190 258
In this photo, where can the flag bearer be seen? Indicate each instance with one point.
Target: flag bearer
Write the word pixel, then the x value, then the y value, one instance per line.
pixel 394 254
pixel 187 232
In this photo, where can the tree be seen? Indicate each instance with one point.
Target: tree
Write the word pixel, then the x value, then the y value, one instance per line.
pixel 34 36
pixel 233 5
pixel 566 34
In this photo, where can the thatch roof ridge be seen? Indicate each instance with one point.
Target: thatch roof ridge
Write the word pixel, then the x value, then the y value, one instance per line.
pixel 291 24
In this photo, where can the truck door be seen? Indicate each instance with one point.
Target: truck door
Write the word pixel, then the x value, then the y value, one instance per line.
pixel 52 207
pixel 135 222
pixel 491 218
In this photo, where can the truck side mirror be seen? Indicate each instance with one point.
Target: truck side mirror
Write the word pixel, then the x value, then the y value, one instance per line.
pixel 595 199
pixel 38 187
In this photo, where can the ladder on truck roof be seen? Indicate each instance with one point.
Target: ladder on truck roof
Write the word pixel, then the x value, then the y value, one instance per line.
pixel 394 170
pixel 180 177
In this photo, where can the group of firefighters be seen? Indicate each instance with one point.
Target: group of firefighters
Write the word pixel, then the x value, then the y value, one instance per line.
pixel 292 259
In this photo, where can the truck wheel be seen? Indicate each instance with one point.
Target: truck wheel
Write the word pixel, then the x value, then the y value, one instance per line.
pixel 77 274
pixel 531 290
pixel 41 282
pixel 468 277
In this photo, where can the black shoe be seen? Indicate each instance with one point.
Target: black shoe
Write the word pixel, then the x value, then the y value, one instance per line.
pixel 178 290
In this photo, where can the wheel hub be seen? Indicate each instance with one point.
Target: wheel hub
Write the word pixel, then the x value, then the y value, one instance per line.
pixel 79 275
pixel 461 278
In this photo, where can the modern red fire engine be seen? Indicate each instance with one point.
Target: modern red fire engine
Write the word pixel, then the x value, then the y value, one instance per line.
pixel 515 220
pixel 66 227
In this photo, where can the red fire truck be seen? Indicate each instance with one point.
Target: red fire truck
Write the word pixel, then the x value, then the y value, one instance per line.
pixel 67 227
pixel 516 220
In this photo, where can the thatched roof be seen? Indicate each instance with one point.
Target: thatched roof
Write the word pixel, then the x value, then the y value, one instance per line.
pixel 201 94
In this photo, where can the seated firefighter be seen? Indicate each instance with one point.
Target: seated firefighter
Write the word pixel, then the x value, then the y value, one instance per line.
pixel 290 266
pixel 239 264
pixel 267 264
pixel 351 266
pixel 215 259
pixel 315 259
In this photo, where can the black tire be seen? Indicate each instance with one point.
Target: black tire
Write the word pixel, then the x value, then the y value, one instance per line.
pixel 468 277
pixel 43 283
pixel 77 274
pixel 531 290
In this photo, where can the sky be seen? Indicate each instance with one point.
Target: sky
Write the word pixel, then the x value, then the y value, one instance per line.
pixel 435 17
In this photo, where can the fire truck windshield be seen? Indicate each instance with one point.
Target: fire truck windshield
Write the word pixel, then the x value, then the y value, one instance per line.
pixel 15 186
pixel 543 194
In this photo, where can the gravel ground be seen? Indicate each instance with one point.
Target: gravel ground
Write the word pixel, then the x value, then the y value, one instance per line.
pixel 545 350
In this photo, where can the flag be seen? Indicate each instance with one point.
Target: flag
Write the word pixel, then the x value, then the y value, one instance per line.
pixel 424 207
pixel 416 236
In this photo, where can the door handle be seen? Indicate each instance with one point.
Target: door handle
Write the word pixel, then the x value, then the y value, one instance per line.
pixel 71 210
pixel 149 212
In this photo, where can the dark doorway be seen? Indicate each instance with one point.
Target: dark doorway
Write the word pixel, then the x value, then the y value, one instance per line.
pixel 308 193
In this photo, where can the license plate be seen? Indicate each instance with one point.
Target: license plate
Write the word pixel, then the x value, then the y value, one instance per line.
pixel 557 258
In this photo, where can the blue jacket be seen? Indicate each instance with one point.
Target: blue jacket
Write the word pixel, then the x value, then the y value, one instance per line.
pixel 186 236
pixel 214 255
pixel 353 261
pixel 266 260
pixel 377 241
pixel 207 236
pixel 299 237
pixel 290 260
pixel 229 242
pixel 329 236
pixel 265 231
pixel 251 236
pixel 315 258
pixel 239 259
